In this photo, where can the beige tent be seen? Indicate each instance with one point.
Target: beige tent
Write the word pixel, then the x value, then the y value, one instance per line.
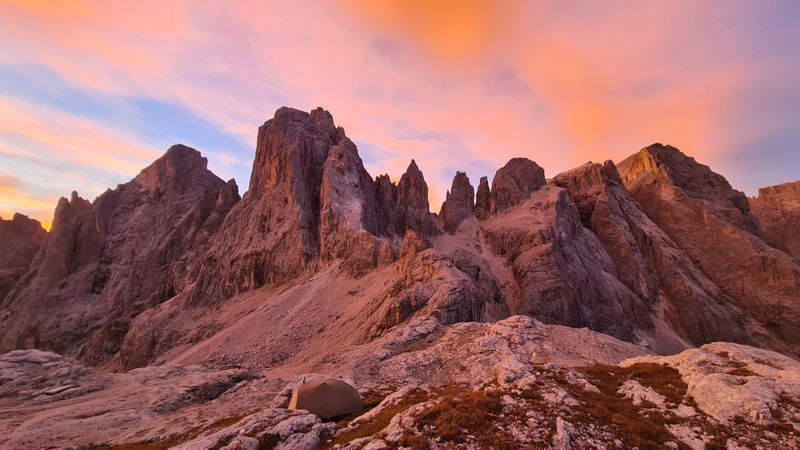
pixel 326 398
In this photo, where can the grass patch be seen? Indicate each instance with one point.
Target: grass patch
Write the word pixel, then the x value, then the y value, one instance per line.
pixel 165 444
pixel 663 379
pixel 635 427
pixel 378 423
pixel 473 413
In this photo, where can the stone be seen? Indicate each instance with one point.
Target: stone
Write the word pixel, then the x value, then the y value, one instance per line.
pixel 413 209
pixel 650 263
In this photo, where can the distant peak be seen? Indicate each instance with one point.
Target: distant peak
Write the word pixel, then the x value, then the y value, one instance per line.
pixel 322 118
pixel 180 165
pixel 182 151
pixel 318 116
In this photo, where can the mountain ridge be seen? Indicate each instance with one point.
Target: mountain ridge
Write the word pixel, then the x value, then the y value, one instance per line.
pixel 583 250
pixel 538 304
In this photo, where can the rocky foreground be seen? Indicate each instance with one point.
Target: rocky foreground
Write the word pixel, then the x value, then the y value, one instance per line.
pixel 528 313
pixel 514 384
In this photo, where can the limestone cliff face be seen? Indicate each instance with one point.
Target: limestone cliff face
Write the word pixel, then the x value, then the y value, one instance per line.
pixel 777 209
pixel 310 203
pixel 667 283
pixel 105 262
pixel 21 238
pixel 412 207
pixel 713 225
pixel 561 271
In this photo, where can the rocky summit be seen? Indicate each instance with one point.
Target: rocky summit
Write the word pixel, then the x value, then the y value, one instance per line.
pixel 643 303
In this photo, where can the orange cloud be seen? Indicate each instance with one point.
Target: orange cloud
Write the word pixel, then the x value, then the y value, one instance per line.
pixel 456 29
pixel 13 201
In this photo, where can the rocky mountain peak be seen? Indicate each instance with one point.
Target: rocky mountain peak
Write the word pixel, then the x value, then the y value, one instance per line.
pixel 459 203
pixel 22 224
pixel 668 165
pixel 291 149
pixel 412 190
pixel 679 169
pixel 514 182
pixel 483 202
pixel 181 167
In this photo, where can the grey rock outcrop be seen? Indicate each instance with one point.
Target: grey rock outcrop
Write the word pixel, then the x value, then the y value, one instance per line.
pixel 668 284
pixel 562 273
pixel 310 202
pixel 413 208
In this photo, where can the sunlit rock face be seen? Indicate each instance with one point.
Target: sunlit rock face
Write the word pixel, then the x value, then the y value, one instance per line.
pixel 514 182
pixel 667 283
pixel 777 209
pixel 713 225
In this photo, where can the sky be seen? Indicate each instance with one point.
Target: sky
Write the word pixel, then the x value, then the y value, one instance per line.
pixel 92 92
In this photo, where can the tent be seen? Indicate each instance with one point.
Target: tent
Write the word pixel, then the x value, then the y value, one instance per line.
pixel 326 398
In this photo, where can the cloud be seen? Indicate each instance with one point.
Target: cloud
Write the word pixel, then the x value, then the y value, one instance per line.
pixel 96 88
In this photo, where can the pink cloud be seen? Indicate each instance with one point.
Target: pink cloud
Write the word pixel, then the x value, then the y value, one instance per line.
pixel 592 81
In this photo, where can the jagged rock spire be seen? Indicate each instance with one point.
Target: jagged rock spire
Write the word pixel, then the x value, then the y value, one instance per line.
pixel 459 203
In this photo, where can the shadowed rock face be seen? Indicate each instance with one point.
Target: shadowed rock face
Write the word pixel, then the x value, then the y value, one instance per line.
pixel 777 209
pixel 105 262
pixel 412 208
pixel 562 273
pixel 21 238
pixel 459 203
pixel 713 225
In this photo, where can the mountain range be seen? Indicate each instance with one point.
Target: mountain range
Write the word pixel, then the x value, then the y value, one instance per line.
pixel 322 268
